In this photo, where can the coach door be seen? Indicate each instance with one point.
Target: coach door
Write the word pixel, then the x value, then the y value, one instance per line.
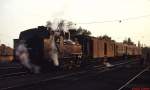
pixel 105 49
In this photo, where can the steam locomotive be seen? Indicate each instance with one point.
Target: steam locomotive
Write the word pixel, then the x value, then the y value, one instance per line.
pixel 76 51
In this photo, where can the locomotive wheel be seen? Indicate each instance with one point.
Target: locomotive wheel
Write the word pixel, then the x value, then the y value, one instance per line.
pixel 70 63
pixel 66 64
pixel 78 63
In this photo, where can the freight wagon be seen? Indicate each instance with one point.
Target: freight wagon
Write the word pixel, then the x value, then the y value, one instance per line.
pixel 6 53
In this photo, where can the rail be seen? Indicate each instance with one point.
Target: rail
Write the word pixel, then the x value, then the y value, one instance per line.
pixel 66 75
pixel 128 82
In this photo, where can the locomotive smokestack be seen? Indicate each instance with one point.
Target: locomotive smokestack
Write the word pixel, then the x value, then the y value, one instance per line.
pixel 49 25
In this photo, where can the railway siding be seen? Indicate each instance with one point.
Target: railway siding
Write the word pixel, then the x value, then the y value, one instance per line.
pixel 106 78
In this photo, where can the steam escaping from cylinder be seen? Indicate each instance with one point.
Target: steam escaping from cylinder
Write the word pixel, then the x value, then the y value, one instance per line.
pixel 54 57
pixel 23 56
pixel 54 51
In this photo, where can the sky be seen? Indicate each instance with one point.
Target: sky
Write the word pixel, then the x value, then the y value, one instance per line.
pixel 19 15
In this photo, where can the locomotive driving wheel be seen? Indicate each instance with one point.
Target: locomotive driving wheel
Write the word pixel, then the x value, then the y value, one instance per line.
pixel 70 63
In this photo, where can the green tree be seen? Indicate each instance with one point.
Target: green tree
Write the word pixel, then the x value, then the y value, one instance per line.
pixel 84 32
pixel 128 41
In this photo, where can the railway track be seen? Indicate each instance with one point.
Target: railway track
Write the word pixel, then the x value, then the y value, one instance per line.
pixel 110 79
pixel 10 71
pixel 4 72
pixel 11 65
pixel 40 78
pixel 10 68
pixel 140 81
pixel 13 74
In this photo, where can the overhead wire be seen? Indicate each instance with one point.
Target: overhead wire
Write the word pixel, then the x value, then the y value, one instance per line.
pixel 116 20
